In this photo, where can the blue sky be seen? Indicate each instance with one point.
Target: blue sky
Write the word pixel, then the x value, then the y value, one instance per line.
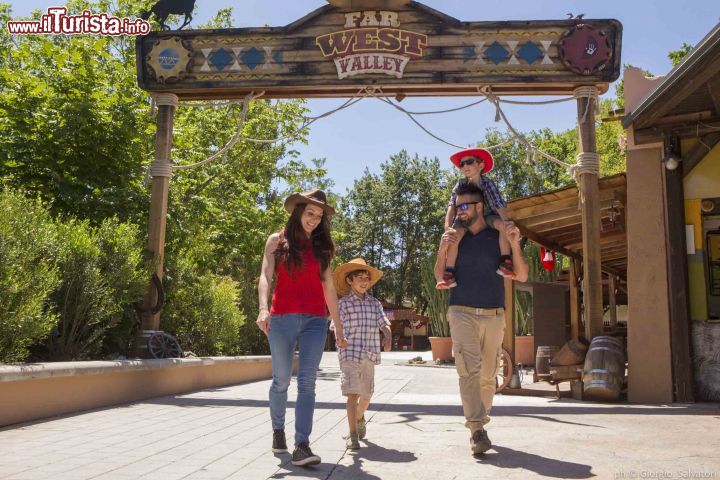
pixel 651 29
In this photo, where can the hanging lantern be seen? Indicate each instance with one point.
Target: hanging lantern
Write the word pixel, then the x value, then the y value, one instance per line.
pixel 548 259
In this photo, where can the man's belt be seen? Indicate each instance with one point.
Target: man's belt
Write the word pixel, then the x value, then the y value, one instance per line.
pixel 479 311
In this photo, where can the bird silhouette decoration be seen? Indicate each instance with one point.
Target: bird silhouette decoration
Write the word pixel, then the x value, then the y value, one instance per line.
pixel 164 8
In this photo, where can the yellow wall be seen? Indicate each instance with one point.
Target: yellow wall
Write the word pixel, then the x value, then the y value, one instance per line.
pixel 702 182
pixel 696 263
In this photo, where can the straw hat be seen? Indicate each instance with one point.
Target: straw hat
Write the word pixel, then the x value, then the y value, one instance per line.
pixel 342 271
pixel 313 197
pixel 479 153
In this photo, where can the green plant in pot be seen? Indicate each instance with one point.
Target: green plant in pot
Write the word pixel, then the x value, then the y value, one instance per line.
pixel 437 307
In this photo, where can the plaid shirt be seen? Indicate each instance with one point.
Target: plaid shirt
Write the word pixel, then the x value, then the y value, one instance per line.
pixel 361 319
pixel 491 194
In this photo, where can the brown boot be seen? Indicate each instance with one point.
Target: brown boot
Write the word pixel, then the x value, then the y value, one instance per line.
pixel 479 442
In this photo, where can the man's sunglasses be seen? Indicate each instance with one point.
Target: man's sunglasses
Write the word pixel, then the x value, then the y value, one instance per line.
pixel 464 206
pixel 469 161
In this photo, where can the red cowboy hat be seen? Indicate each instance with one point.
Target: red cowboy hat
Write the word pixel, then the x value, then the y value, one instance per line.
pixel 480 153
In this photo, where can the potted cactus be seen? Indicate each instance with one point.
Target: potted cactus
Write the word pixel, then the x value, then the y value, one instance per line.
pixel 440 341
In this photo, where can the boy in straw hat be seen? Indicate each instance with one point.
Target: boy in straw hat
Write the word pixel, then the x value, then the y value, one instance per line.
pixel 362 316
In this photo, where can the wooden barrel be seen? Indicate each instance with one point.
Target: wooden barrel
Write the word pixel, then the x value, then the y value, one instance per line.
pixel 572 353
pixel 604 369
pixel 542 360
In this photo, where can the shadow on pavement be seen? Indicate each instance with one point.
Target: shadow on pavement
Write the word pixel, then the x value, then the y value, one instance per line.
pixel 328 375
pixel 376 453
pixel 322 471
pixel 555 420
pixel 547 467
pixel 560 407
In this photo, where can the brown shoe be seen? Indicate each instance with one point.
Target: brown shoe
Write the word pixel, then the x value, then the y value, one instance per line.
pixel 480 442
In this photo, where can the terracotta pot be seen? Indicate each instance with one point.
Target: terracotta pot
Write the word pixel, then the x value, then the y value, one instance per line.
pixel 525 350
pixel 441 348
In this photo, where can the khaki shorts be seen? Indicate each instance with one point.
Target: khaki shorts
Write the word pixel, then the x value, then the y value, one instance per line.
pixel 357 378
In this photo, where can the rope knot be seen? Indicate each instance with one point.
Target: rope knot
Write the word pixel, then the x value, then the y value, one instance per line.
pixel 166 99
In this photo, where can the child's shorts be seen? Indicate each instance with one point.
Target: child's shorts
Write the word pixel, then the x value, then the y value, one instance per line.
pixel 357 378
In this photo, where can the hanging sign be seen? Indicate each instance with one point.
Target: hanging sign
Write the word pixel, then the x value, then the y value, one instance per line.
pixel 394 48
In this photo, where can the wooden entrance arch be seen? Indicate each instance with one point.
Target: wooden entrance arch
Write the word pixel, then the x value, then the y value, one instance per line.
pixel 399 48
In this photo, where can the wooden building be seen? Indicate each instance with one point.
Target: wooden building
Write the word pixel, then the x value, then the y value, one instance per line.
pixel 554 220
pixel 673 225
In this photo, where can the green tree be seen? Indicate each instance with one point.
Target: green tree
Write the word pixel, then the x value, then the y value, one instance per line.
pixel 394 220
pixel 676 56
pixel 76 131
pixel 74 124
pixel 517 174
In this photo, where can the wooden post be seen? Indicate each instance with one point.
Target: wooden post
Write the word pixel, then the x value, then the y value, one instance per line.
pixel 575 330
pixel 161 171
pixel 587 178
pixel 680 321
pixel 612 286
pixel 509 338
pixel 412 336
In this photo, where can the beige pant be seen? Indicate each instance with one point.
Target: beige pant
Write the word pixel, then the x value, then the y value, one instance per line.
pixel 477 335
pixel 357 378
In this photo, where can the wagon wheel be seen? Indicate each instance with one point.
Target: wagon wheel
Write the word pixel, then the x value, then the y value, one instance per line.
pixel 504 370
pixel 163 345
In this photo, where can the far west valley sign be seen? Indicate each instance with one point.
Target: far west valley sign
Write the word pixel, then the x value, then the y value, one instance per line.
pixel 409 50
pixel 372 43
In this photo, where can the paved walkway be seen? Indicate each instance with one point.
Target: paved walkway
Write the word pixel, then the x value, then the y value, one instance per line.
pixel 415 431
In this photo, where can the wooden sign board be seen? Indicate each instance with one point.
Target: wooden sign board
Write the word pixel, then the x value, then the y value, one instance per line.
pixel 409 50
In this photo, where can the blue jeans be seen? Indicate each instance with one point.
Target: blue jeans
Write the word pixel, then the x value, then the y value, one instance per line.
pixel 287 331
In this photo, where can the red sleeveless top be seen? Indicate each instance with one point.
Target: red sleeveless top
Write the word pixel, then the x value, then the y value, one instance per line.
pixel 302 291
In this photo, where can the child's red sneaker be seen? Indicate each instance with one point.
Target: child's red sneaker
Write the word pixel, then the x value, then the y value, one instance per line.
pixel 448 281
pixel 505 267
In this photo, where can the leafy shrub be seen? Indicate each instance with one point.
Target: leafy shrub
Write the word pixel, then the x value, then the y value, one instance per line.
pixel 201 310
pixel 28 273
pixel 102 274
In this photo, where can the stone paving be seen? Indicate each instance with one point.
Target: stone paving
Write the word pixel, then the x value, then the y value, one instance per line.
pixel 415 431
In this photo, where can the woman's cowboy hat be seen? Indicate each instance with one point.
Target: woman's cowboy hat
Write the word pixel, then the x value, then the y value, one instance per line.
pixel 480 153
pixel 342 271
pixel 313 197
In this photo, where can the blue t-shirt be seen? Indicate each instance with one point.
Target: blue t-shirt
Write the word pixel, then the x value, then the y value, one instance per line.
pixel 477 283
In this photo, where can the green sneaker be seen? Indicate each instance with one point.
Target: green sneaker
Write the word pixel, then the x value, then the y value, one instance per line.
pixel 362 428
pixel 353 442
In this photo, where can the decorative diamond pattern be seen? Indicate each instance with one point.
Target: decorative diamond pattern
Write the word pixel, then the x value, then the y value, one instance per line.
pixel 221 59
pixel 468 53
pixel 530 52
pixel 252 58
pixel 278 57
pixel 496 53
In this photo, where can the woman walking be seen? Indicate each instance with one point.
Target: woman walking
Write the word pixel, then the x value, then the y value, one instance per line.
pixel 299 256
